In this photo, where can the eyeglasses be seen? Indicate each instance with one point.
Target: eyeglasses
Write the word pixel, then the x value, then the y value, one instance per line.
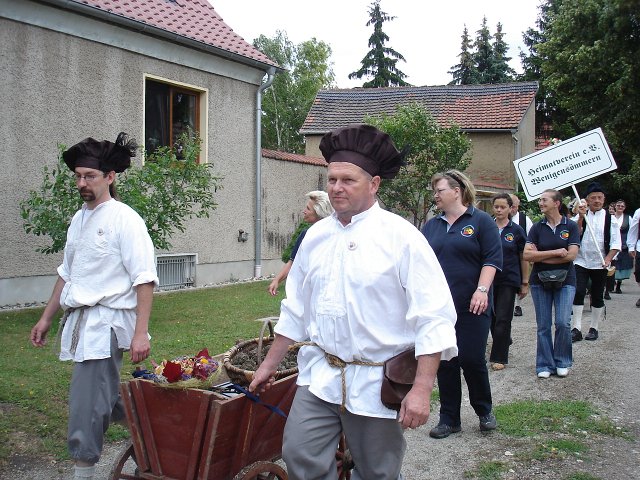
pixel 88 178
pixel 440 190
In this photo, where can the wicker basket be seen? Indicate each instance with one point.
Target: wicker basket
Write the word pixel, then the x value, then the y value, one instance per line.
pixel 244 377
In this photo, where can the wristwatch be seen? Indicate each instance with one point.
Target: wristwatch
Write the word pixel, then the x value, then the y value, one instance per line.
pixel 482 288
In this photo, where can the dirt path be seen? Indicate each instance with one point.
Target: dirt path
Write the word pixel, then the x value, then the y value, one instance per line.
pixel 605 373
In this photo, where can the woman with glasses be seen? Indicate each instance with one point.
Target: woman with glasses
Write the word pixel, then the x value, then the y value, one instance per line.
pixel 552 246
pixel 467 245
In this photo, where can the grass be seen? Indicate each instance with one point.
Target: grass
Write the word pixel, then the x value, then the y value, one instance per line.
pixel 33 397
pixel 488 471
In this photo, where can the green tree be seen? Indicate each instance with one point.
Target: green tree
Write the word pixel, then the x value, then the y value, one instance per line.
pixel 287 101
pixel 165 192
pixel 591 68
pixel 500 71
pixel 432 149
pixel 464 72
pixel 380 63
pixel 483 55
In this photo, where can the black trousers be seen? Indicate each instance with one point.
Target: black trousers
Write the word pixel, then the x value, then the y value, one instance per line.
pixel 504 297
pixel 598 279
pixel 472 332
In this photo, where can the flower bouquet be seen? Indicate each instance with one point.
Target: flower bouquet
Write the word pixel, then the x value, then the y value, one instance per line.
pixel 199 371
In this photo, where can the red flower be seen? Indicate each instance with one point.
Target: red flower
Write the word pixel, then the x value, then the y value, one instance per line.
pixel 203 353
pixel 172 372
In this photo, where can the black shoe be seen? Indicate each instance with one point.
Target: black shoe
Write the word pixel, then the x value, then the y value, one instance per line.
pixel 592 335
pixel 617 290
pixel 638 303
pixel 443 430
pixel 488 423
pixel 576 335
pixel 606 295
pixel 517 312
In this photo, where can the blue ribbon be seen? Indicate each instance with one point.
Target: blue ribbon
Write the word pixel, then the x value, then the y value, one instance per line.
pixel 256 399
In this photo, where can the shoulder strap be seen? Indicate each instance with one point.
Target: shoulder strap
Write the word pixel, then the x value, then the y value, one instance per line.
pixel 607 233
pixel 522 220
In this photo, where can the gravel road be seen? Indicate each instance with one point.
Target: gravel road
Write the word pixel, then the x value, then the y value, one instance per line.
pixel 605 373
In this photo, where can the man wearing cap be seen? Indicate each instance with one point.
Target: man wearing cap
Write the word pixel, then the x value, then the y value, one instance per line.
pixel 364 287
pixel 105 287
pixel 596 253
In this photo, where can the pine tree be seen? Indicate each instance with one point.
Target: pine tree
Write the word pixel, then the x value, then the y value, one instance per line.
pixel 380 62
pixel 463 73
pixel 500 71
pixel 483 55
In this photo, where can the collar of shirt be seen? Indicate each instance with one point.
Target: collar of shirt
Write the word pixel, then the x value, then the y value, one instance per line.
pixel 469 211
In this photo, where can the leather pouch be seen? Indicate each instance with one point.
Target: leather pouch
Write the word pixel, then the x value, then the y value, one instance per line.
pixel 399 373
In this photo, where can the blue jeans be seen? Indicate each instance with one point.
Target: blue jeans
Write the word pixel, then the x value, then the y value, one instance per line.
pixel 551 352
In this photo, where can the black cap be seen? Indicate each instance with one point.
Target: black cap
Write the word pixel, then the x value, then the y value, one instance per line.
pixel 105 155
pixel 364 146
pixel 594 187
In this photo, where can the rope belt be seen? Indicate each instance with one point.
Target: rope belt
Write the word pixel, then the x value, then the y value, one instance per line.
pixel 75 336
pixel 337 362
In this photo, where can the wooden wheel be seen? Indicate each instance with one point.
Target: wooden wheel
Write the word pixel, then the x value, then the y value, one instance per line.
pixel 344 460
pixel 262 471
pixel 127 455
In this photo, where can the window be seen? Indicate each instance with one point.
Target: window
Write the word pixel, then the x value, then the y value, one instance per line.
pixel 169 111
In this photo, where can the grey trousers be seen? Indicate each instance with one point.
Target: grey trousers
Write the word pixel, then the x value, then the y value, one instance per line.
pixel 311 438
pixel 94 402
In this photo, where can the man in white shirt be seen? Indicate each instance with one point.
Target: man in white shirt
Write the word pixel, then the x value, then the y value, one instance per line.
pixel 525 222
pixel 364 287
pixel 633 242
pixel 600 242
pixel 105 287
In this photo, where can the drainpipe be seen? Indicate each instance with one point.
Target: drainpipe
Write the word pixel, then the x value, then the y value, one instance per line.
pixel 257 272
pixel 517 151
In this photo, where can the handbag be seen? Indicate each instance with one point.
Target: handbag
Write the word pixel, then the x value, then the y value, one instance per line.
pixel 553 279
pixel 399 373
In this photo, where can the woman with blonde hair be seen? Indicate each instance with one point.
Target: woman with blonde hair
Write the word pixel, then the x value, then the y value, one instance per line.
pixel 317 207
pixel 467 244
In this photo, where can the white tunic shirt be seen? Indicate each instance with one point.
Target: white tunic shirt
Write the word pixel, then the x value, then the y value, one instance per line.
pixel 588 256
pixel 105 257
pixel 633 242
pixel 365 291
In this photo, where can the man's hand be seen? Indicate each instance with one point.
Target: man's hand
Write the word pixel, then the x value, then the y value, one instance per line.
pixel 39 333
pixel 262 380
pixel 140 347
pixel 415 408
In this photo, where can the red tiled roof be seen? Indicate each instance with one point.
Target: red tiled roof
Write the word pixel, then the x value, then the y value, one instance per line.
pixel 500 106
pixel 294 157
pixel 193 19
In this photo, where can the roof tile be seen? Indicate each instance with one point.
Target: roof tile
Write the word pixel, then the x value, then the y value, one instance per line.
pixel 499 106
pixel 194 19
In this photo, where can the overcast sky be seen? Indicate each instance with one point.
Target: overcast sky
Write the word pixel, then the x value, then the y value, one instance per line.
pixel 426 32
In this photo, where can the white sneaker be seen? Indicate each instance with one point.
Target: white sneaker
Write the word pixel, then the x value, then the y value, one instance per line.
pixel 562 372
pixel 544 374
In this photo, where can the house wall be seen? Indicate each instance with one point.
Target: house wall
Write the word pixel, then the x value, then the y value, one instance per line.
pixel 492 157
pixel 61 88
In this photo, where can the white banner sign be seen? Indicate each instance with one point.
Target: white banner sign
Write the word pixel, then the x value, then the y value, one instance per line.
pixel 566 163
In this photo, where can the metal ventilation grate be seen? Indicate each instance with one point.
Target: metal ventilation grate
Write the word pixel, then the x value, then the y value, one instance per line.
pixel 176 271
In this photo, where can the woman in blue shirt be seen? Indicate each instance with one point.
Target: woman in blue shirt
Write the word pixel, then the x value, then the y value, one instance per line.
pixel 512 280
pixel 466 242
pixel 553 244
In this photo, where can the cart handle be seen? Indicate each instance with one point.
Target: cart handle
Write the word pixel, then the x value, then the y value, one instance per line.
pixel 266 322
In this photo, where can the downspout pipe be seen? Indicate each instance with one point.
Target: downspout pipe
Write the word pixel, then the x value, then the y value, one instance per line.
pixel 257 272
pixel 517 153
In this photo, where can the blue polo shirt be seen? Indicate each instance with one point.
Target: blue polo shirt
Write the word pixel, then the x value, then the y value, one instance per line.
pixel 463 249
pixel 296 246
pixel 513 240
pixel 545 238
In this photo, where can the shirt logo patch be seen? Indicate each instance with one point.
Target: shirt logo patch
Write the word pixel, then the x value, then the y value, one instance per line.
pixel 509 237
pixel 564 234
pixel 467 231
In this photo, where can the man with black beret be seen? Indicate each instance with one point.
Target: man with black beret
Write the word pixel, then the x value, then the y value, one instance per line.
pixel 105 287
pixel 597 250
pixel 364 287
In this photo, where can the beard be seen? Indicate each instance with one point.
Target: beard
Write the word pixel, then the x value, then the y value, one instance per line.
pixel 87 195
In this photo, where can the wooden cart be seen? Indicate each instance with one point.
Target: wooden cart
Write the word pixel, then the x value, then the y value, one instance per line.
pixel 198 434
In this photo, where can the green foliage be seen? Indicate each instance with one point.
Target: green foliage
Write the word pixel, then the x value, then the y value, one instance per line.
pixel 380 62
pixel 586 55
pixel 288 100
pixel 35 384
pixel 432 149
pixel 488 471
pixel 483 61
pixel 165 191
pixel 286 253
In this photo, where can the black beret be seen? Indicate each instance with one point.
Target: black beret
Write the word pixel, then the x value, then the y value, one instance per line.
pixel 364 146
pixel 104 155
pixel 593 187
